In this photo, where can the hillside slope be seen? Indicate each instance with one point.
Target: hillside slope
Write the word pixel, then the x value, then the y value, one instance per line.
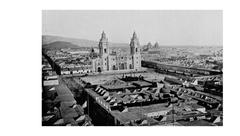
pixel 59 45
pixel 48 41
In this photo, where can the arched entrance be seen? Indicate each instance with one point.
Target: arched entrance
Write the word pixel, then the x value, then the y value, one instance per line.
pixel 130 66
pixel 121 66
pixel 99 70
pixel 114 67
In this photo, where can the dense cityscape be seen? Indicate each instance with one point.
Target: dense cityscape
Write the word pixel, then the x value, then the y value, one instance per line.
pixel 133 85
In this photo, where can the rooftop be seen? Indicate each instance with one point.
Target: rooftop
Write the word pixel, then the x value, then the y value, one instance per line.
pixel 196 123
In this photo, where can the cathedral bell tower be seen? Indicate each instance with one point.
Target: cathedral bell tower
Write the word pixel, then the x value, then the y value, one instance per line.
pixel 103 45
pixel 135 52
pixel 134 45
pixel 104 52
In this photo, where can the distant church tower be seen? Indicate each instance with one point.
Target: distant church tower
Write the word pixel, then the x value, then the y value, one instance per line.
pixel 135 52
pixel 104 51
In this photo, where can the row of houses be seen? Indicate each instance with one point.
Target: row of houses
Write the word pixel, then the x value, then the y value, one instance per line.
pixel 68 65
pixel 59 106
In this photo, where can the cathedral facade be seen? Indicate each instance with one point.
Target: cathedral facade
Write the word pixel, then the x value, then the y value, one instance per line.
pixel 106 61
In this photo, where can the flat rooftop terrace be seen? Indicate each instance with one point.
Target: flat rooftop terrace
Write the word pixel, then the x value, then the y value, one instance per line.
pixel 150 108
pixel 139 113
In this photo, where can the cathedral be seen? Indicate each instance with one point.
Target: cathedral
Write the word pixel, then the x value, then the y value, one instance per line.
pixel 106 61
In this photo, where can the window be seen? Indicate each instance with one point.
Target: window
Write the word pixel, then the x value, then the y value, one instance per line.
pixel 105 50
pixel 136 50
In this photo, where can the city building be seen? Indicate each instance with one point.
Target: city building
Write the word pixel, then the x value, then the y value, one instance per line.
pixel 107 61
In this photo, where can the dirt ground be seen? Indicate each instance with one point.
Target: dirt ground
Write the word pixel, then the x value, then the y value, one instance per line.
pixel 102 78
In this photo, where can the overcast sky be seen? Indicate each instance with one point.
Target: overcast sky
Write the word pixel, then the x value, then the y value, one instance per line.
pixel 166 27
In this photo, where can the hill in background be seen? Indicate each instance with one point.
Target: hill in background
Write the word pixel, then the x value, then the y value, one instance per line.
pixel 60 45
pixel 49 41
